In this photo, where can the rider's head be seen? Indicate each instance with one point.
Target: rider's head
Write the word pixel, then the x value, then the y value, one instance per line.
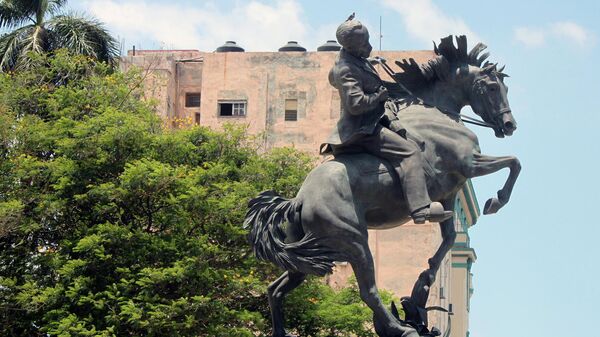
pixel 354 37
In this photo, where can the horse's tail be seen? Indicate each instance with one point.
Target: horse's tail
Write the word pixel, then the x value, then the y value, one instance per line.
pixel 267 215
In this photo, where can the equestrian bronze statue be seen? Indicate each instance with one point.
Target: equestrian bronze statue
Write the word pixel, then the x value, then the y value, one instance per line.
pixel 416 119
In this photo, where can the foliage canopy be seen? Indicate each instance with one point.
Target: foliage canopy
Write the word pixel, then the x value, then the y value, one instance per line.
pixel 111 225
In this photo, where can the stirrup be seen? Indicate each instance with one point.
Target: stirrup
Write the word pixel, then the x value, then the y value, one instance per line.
pixel 434 213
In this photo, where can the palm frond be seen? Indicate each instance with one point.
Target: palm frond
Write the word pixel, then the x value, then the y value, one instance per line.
pixel 11 47
pixel 83 36
pixel 14 14
pixel 54 6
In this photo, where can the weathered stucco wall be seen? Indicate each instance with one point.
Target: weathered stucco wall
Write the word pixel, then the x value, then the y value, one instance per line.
pixel 264 80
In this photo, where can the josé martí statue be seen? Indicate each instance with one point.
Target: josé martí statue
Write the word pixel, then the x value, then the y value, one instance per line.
pixel 401 151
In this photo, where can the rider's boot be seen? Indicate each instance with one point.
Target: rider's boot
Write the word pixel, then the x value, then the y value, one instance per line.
pixel 434 212
pixel 412 176
pixel 415 190
pixel 406 158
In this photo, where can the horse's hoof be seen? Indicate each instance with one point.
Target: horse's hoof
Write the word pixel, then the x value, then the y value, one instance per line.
pixel 492 206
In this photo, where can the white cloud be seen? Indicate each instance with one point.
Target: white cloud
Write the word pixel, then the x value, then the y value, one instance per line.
pixel 135 20
pixel 530 37
pixel 563 30
pixel 256 26
pixel 572 31
pixel 427 22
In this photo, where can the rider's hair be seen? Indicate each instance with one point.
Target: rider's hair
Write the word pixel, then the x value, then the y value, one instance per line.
pixel 350 32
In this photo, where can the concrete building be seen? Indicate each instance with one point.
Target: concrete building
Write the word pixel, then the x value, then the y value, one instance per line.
pixel 286 97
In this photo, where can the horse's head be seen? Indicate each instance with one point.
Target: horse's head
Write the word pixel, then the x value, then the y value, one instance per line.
pixel 488 99
pixel 456 77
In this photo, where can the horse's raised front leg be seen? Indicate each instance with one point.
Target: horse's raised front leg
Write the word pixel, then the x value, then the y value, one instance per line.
pixel 483 165
pixel 386 325
pixel 414 306
pixel 277 290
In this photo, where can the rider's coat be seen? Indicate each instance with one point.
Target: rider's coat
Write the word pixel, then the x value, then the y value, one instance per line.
pixel 357 83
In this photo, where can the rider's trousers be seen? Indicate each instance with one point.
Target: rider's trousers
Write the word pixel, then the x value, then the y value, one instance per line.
pixel 406 158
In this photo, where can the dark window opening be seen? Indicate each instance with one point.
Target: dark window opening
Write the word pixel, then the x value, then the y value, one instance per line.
pixel 291 110
pixel 197 118
pixel 232 109
pixel 225 109
pixel 192 100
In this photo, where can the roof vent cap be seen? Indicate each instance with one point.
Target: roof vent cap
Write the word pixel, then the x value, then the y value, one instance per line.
pixel 292 46
pixel 330 45
pixel 228 47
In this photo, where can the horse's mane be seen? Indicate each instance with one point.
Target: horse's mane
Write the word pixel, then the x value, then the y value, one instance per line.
pixel 448 57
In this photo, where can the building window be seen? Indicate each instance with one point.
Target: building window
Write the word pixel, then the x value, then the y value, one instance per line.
pixel 192 100
pixel 232 108
pixel 197 118
pixel 291 110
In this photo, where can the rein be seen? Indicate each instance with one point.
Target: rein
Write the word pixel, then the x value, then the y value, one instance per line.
pixel 463 118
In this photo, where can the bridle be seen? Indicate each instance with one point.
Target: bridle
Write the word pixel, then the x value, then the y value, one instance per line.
pixel 465 119
pixel 480 88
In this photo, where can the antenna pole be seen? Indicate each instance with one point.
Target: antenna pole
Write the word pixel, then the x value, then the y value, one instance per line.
pixel 380 35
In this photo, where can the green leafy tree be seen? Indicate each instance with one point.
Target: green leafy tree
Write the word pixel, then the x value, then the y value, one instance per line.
pixel 39 26
pixel 111 225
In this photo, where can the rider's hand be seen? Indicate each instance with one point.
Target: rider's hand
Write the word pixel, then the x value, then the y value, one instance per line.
pixel 383 94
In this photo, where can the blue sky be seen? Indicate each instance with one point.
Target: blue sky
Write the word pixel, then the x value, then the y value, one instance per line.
pixel 537 271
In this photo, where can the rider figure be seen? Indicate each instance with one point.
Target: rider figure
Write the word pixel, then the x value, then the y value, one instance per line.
pixel 363 96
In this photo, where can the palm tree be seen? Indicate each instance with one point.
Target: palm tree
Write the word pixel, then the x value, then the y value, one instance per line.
pixel 38 26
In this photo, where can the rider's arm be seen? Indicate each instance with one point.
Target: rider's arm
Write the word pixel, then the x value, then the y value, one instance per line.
pixel 355 99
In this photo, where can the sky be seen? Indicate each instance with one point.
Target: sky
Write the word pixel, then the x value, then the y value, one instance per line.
pixel 537 272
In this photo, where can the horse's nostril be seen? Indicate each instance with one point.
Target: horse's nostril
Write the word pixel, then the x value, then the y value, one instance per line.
pixel 510 126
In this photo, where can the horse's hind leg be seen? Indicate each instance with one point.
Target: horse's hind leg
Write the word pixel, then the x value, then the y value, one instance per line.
pixel 277 290
pixel 386 324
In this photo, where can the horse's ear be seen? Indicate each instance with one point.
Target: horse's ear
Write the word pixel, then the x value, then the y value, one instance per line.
pixel 488 68
pixel 395 312
pixel 500 73
pixel 502 76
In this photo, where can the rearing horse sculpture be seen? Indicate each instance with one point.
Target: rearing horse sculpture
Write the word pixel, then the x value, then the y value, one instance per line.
pixel 340 199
